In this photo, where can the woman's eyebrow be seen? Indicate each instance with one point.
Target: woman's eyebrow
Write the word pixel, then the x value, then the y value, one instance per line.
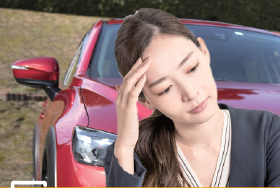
pixel 180 65
pixel 156 82
pixel 185 59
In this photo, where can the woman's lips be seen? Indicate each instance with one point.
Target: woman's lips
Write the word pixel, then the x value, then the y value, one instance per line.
pixel 200 107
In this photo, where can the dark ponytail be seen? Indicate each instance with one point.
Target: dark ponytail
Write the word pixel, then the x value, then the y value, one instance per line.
pixel 156 147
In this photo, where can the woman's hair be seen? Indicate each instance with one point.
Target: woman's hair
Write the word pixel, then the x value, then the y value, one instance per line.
pixel 156 146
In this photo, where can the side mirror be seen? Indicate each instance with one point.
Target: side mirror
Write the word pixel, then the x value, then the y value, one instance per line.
pixel 42 72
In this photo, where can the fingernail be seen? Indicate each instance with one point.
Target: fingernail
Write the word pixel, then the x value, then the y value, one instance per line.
pixel 138 62
pixel 145 64
pixel 143 76
pixel 146 59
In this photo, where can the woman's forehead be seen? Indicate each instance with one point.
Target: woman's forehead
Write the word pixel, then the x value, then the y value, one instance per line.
pixel 166 48
pixel 166 53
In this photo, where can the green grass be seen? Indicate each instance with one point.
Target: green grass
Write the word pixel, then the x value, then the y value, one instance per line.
pixel 28 34
pixel 17 120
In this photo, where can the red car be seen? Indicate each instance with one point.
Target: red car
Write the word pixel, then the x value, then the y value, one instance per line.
pixel 78 121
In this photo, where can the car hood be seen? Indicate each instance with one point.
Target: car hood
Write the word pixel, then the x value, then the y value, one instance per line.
pixel 99 97
pixel 255 96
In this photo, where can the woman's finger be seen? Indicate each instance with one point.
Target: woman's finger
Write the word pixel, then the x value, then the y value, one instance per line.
pixel 132 79
pixel 135 66
pixel 138 67
pixel 120 89
pixel 137 89
pixel 131 82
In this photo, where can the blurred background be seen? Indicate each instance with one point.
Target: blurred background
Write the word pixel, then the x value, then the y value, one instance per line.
pixel 54 28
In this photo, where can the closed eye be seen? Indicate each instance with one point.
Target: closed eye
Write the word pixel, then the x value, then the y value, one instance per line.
pixel 194 68
pixel 190 71
pixel 165 91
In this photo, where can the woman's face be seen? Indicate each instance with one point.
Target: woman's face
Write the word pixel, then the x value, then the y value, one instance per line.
pixel 179 78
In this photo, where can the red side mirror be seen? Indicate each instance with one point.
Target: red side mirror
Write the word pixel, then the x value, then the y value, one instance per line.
pixel 37 72
pixel 42 72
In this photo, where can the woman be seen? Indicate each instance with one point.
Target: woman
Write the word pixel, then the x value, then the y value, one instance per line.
pixel 189 140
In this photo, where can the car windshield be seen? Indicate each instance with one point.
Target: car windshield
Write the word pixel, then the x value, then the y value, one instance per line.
pixel 236 55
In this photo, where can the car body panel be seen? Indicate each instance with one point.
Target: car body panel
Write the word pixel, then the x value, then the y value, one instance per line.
pixel 100 104
pixel 255 96
pixel 277 33
pixel 74 114
pixel 51 112
pixel 65 112
pixel 85 60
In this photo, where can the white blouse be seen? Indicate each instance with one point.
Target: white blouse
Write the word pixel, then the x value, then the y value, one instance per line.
pixel 221 175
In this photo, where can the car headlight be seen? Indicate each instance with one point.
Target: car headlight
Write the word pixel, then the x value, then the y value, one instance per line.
pixel 89 145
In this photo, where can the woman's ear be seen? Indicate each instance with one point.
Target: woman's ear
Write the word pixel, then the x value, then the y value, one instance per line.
pixel 203 47
pixel 146 103
pixel 201 41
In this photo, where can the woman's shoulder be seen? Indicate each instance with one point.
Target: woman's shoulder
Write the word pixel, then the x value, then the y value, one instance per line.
pixel 244 112
pixel 249 118
pixel 255 143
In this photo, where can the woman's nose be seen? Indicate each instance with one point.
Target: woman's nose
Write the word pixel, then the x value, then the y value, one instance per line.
pixel 189 92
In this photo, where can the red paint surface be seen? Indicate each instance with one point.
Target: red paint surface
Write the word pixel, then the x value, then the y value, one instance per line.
pixel 42 68
pixel 74 114
pixel 85 59
pixel 255 96
pixel 73 174
pixel 206 23
pixel 100 104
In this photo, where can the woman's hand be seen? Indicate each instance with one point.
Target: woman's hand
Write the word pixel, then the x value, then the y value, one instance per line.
pixel 127 113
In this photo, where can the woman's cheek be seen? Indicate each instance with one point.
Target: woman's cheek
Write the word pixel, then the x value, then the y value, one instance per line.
pixel 164 104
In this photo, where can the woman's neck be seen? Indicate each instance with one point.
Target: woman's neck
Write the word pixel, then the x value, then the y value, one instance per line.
pixel 200 135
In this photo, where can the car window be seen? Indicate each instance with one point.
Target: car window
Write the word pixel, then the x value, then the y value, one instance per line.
pixel 75 62
pixel 236 55
pixel 103 63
